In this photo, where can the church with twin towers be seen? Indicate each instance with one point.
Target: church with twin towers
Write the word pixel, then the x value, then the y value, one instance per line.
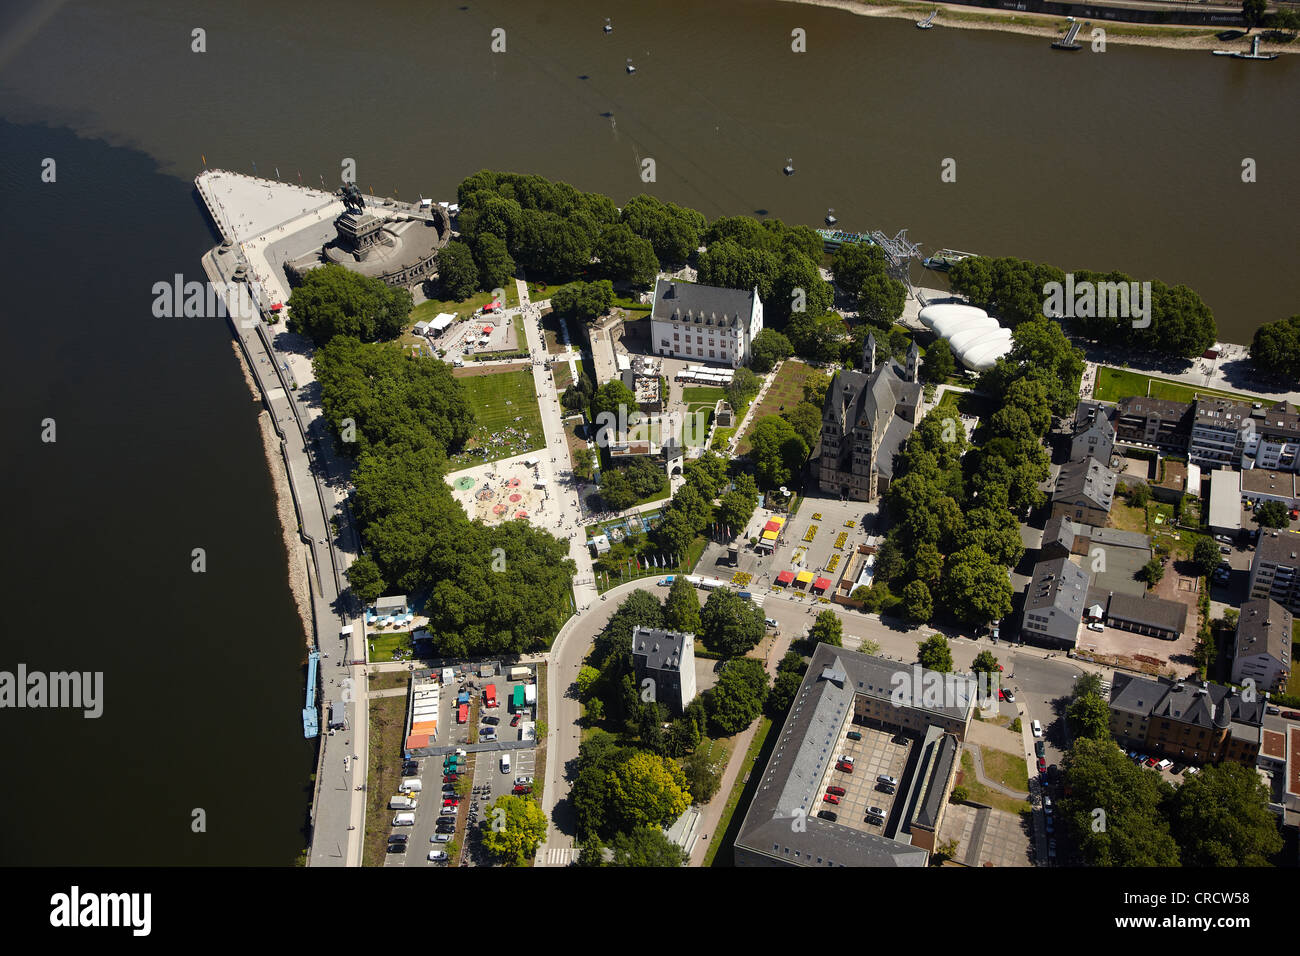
pixel 867 417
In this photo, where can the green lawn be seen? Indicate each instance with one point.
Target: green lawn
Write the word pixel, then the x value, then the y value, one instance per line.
pixel 1006 769
pixel 703 394
pixel 388 680
pixel 976 792
pixel 1115 383
pixel 382 644
pixel 429 309
pixel 387 724
pixel 786 390
pixel 563 376
pixel 488 396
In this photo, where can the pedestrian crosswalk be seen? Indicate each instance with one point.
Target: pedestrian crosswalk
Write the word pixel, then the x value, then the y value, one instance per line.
pixel 556 856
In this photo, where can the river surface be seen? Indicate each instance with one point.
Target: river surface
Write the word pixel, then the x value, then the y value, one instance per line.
pixel 1128 159
pixel 156 452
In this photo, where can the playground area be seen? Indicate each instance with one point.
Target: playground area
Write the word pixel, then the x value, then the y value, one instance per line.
pixel 621 529
pixel 505 490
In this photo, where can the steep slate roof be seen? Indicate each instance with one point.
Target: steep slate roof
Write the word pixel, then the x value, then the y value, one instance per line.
pixel 675 300
pixel 1210 706
pixel 1088 479
pixel 662 650
pixel 1061 531
pixel 1058 585
pixel 1264 627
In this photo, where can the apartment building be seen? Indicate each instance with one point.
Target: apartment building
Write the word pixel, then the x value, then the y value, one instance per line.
pixel 1275 570
pixel 1262 652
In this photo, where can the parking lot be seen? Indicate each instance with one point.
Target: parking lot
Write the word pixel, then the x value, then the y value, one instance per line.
pixel 426 816
pixel 479 768
pixel 878 752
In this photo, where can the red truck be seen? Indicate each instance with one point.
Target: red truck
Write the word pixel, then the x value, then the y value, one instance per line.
pixel 490 695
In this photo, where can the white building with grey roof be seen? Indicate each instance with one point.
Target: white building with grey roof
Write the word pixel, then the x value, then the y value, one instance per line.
pixel 703 323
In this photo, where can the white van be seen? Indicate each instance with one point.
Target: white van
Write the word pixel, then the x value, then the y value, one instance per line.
pixel 404 820
pixel 412 785
pixel 402 803
pixel 505 763
pixel 1037 728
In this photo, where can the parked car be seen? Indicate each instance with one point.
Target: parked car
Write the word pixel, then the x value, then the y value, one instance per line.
pixel 844 767
pixel 830 815
pixel 487 733
pixel 398 838
pixel 845 758
pixel 397 848
pixel 1191 771
pixel 1051 849
pixel 450 777
pixel 770 621
pixel 1097 626
pixel 440 838
pixel 875 812
pixel 830 798
pixel 1040 748
pixel 1164 764
pixel 1270 709
pixel 1037 728
pixel 874 820
pixel 1009 697
pixel 521 788
pixel 886 778
pixel 492 720
pixel 1291 714
pixel 437 856
pixel 410 769
pixel 1150 761
pixel 514 721
pixel 838 791
pixel 1042 765
pixel 451 802
pixel 853 735
pixel 1047 822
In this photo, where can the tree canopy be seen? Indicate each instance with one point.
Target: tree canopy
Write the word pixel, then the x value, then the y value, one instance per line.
pixel 737 699
pixel 521 829
pixel 730 625
pixel 1276 347
pixel 335 301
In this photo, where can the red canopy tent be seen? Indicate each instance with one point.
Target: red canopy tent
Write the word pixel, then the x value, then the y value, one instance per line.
pixel 821 584
pixel 784 578
pixel 772 526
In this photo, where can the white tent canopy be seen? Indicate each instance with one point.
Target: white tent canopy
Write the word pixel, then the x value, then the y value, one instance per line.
pixel 976 338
